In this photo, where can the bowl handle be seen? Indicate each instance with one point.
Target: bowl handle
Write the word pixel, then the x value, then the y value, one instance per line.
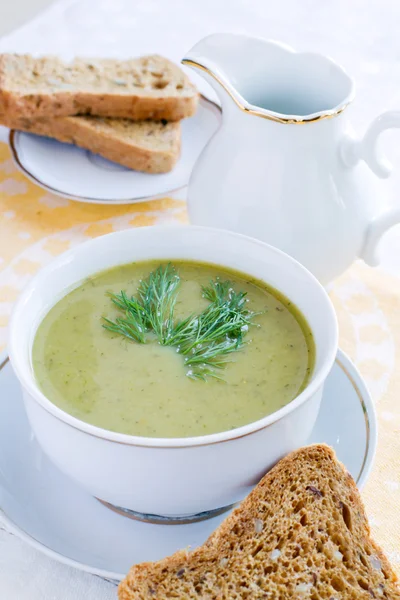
pixel 366 149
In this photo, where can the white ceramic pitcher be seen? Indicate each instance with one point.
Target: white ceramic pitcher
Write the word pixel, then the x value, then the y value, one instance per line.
pixel 285 166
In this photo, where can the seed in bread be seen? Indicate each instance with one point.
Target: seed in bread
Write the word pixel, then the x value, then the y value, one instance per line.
pixel 148 146
pixel 301 534
pixel 150 87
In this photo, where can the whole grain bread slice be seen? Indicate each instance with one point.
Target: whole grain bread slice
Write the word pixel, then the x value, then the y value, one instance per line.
pixel 150 87
pixel 302 533
pixel 148 146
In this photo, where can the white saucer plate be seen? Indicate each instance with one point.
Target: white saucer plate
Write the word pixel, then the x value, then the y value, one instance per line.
pixel 54 515
pixel 77 174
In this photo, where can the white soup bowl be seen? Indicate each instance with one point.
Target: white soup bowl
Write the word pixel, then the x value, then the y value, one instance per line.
pixel 179 477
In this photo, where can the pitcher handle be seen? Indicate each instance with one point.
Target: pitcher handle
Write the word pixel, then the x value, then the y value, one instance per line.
pixel 366 149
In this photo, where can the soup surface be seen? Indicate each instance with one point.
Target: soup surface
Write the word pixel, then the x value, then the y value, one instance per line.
pixel 140 389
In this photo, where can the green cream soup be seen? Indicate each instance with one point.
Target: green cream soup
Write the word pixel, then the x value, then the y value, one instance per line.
pixel 146 389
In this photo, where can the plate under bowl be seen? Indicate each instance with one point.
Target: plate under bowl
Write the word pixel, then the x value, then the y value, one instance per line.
pixel 50 512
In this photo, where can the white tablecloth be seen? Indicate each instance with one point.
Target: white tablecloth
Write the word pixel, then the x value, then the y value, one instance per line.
pixel 362 36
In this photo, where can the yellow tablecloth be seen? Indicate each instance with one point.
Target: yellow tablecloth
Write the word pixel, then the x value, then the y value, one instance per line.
pixel 35 226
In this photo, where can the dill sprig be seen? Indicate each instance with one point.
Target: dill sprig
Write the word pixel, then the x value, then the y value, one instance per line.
pixel 134 325
pixel 157 296
pixel 205 340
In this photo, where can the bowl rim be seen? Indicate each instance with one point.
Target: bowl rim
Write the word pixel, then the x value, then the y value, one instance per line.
pixel 28 383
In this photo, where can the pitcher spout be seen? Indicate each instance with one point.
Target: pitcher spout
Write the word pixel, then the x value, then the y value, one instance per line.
pixel 271 80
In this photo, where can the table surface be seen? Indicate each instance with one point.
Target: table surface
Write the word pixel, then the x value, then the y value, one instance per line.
pixel 35 226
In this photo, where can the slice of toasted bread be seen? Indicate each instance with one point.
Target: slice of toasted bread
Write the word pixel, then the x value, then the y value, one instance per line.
pixel 302 533
pixel 148 146
pixel 150 87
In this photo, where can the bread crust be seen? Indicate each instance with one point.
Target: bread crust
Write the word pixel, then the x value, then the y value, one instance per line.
pixel 102 137
pixel 133 103
pixel 301 533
